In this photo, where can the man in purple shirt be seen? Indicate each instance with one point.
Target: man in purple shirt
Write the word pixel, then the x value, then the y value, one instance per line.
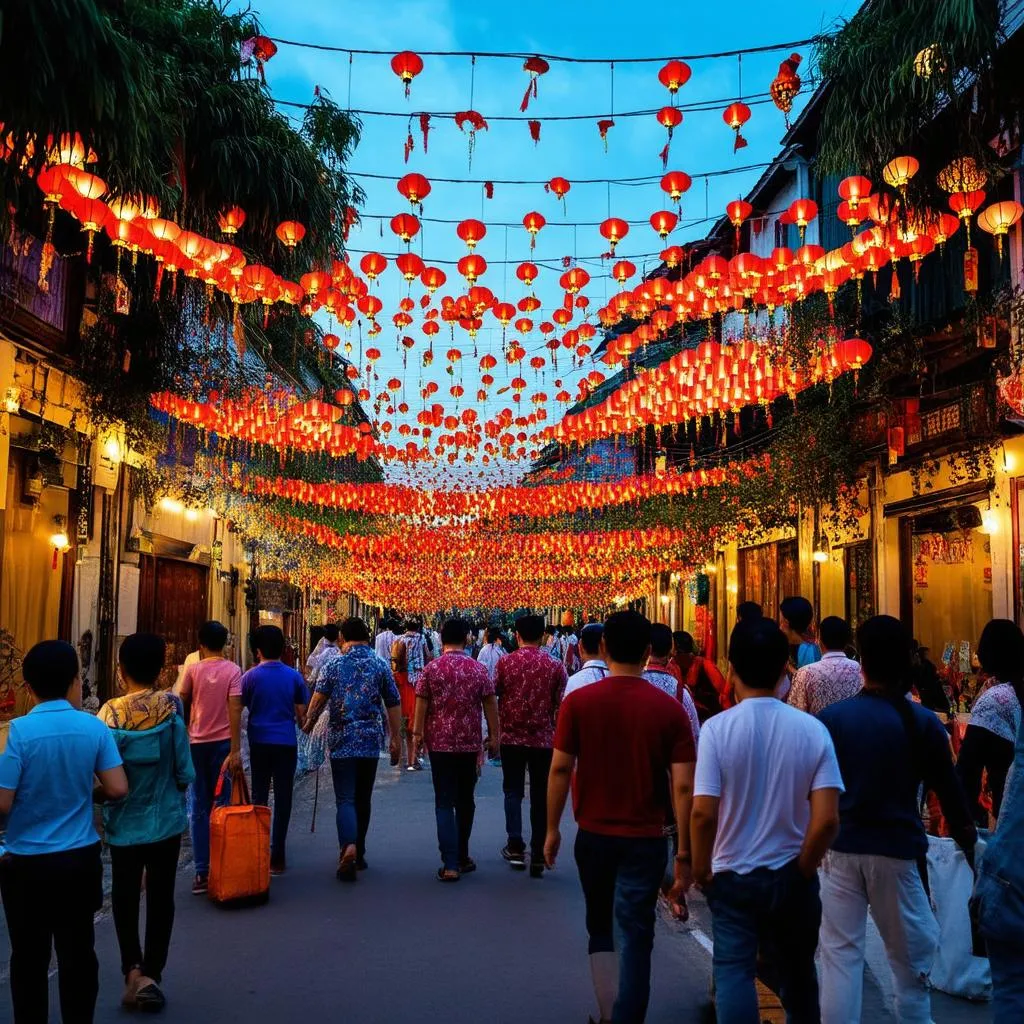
pixel 450 694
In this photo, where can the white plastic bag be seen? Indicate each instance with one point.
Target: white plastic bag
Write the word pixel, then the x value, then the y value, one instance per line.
pixel 313 748
pixel 955 970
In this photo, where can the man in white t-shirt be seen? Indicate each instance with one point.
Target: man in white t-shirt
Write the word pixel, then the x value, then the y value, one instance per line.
pixel 385 639
pixel 590 650
pixel 492 652
pixel 765 811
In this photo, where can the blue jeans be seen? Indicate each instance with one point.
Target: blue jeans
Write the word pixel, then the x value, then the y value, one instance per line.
pixel 353 789
pixel 1007 960
pixel 515 761
pixel 776 912
pixel 274 763
pixel 621 877
pixel 207 759
pixel 454 777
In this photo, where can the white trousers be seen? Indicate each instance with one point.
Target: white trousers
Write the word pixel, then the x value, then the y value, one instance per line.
pixel 851 884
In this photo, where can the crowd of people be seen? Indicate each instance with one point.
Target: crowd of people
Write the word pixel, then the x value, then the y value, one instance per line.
pixel 789 792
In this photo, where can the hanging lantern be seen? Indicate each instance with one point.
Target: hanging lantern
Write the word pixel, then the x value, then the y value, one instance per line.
pixel 93 215
pixel 88 186
pixel 415 188
pixel 786 85
pixel 373 264
pixel 674 75
pixel 331 342
pixel 929 61
pixel 231 220
pixel 560 187
pixel 433 278
pixel 470 122
pixel 290 233
pixel 407 65
pixel 533 222
pixel 736 115
pixel 962 175
pixel 998 218
pixel 898 173
pixel 802 212
pixel 527 273
pixel 855 190
pixel 675 183
pixel 669 118
pixel 574 280
pixel 738 211
pixel 664 223
pixel 534 67
pixel 406 226
pixel 672 256
pixel 410 266
pixel 623 270
pixel 614 229
pixel 471 231
pixel 471 267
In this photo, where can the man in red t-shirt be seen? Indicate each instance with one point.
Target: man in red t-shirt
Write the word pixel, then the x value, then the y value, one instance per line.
pixel 633 752
pixel 529 683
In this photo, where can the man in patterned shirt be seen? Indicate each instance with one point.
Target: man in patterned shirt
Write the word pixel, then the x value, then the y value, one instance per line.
pixel 530 684
pixel 357 685
pixel 832 679
pixel 450 694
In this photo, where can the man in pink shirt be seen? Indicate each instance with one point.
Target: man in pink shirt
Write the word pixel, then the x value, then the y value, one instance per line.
pixel 529 684
pixel 211 692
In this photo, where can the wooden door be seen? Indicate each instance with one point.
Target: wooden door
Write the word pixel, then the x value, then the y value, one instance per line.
pixel 172 603
pixel 789 574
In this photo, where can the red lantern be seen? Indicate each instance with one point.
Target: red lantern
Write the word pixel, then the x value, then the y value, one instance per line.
pixel 415 188
pixel 373 264
pixel 406 226
pixel 675 183
pixel 786 85
pixel 663 222
pixel 623 271
pixel 855 190
pixel 433 278
pixel 231 220
pixel 615 230
pixel 290 233
pixel 736 115
pixel 409 265
pixel 802 212
pixel 407 65
pixel 559 186
pixel 527 273
pixel 471 231
pixel 534 67
pixel 471 267
pixel 674 75
pixel 331 342
pixel 533 222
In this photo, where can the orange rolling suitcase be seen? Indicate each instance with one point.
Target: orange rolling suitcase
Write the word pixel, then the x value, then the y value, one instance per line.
pixel 239 847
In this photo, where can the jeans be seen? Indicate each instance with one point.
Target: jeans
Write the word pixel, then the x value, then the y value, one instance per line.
pixel 514 764
pixel 454 777
pixel 851 885
pixel 1007 960
pixel 50 901
pixel 207 759
pixel 353 792
pixel 159 861
pixel 621 877
pixel 274 762
pixel 776 912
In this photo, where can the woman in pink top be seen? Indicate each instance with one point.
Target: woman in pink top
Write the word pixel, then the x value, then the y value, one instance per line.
pixel 211 692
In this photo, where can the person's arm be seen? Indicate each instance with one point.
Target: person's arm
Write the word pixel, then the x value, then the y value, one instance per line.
pixel 798 692
pixel 235 720
pixel 113 783
pixel 703 830
pixel 10 772
pixel 682 804
pixel 184 770
pixel 941 777
pixel 558 691
pixel 559 780
pixel 493 731
pixel 419 720
pixel 301 699
pixel 821 830
pixel 395 732
pixel 316 706
pixel 983 750
pixel 184 693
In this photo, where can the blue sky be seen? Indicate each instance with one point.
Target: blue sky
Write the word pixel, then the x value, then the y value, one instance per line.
pixel 570 149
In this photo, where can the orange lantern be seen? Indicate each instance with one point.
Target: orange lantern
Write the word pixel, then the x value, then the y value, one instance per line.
pixel 433 278
pixel 88 186
pixel 998 218
pixel 623 270
pixel 855 190
pixel 290 233
pixel 93 215
pixel 407 65
pixel 231 220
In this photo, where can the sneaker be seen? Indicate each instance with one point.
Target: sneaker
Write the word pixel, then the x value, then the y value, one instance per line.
pixel 201 885
pixel 412 767
pixel 516 858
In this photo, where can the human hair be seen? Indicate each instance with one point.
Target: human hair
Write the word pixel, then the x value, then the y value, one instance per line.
pixel 412 625
pixel 885 653
pixel 627 637
pixel 453 632
pixel 269 642
pixel 493 634
pixel 50 668
pixel 1001 652
pixel 835 633
pixel 758 652
pixel 331 632
pixel 684 642
pixel 590 638
pixel 550 629
pixel 531 628
pixel 798 612
pixel 746 610
pixel 213 635
pixel 354 631
pixel 661 640
pixel 393 624
pixel 141 657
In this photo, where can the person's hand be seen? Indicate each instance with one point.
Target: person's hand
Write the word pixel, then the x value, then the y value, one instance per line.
pixel 676 895
pixel 552 844
pixel 395 748
pixel 235 762
pixel 702 879
pixel 307 725
pixel 493 745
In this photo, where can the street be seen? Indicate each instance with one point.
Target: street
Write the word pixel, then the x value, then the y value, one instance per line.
pixel 497 947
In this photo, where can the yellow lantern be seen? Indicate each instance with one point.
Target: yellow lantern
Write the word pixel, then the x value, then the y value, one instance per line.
pixel 998 218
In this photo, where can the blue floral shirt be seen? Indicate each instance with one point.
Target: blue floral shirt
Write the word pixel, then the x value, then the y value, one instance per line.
pixel 358 686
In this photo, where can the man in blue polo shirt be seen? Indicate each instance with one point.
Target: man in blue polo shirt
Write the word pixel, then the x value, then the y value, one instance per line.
pixel 51 877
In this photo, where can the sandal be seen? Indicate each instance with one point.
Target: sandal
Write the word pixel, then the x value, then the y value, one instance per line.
pixel 131 987
pixel 444 875
pixel 347 865
pixel 150 999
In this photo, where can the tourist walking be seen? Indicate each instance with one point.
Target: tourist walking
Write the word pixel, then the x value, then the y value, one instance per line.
pixel 664 674
pixel 329 650
pixel 594 667
pixel 529 684
pixel 795 617
pixel 276 697
pixel 632 752
pixel 143 831
pixel 492 652
pixel 51 875
pixel 451 692
pixel 887 747
pixel 384 640
pixel 357 688
pixel 765 810
pixel 832 679
pixel 409 656
pixel 211 692
pixel 701 677
pixel 987 749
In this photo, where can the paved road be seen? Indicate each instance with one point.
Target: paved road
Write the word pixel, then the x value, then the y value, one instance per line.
pixel 498 947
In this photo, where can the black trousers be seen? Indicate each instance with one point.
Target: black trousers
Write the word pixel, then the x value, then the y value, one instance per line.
pixel 514 764
pixel 159 861
pixel 50 901
pixel 274 762
pixel 454 778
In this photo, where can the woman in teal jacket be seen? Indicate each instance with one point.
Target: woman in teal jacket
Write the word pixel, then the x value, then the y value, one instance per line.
pixel 144 829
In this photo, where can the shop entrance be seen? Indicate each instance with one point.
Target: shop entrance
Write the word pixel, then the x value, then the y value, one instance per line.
pixel 768 573
pixel 172 604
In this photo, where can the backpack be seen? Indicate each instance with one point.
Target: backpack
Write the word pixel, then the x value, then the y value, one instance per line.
pixel 703 690
pixel 399 656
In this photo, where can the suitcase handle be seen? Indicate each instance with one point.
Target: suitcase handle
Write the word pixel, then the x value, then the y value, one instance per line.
pixel 239 786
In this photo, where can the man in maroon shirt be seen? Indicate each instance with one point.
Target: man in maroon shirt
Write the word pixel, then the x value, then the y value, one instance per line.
pixel 632 749
pixel 450 694
pixel 529 683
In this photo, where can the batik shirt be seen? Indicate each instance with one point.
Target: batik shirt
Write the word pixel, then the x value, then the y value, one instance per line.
pixel 529 684
pixel 142 709
pixel 358 686
pixel 415 654
pixel 454 687
pixel 836 677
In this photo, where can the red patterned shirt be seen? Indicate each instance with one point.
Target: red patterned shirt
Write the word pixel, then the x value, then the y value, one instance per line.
pixel 529 684
pixel 454 686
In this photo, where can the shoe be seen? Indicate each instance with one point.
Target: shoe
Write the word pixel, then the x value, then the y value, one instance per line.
pixel 346 868
pixel 361 864
pixel 536 870
pixel 150 998
pixel 131 987
pixel 201 885
pixel 515 858
pixel 412 768
pixel 277 867
pixel 468 866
